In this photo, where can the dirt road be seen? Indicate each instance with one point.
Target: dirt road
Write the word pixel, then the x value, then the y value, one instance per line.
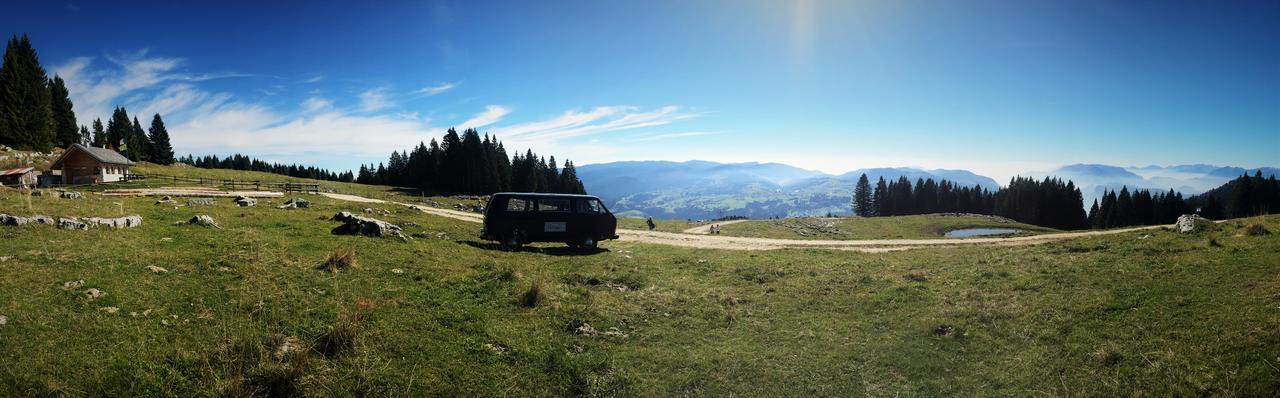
pixel 697 238
pixel 706 229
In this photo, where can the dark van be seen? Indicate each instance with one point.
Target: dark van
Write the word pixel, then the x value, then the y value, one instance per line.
pixel 514 219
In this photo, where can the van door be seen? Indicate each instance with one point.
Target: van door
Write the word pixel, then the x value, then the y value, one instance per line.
pixel 553 217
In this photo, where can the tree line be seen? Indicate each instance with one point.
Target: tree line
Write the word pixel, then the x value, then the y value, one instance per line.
pixel 470 164
pixel 1141 207
pixel 1245 196
pixel 36 113
pixel 1049 202
pixel 242 162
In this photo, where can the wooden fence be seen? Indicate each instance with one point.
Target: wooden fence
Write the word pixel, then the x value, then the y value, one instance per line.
pixel 230 184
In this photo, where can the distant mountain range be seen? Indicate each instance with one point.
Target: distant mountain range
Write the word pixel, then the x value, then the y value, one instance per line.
pixel 705 190
pixel 1094 179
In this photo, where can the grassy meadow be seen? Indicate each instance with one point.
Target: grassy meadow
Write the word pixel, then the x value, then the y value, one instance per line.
pixel 245 309
pixel 856 228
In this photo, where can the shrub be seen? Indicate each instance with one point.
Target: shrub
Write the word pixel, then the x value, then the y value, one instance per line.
pixel 534 295
pixel 341 338
pixel 1256 230
pixel 341 259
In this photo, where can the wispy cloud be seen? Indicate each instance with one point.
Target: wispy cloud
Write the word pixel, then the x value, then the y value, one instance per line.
pixel 375 100
pixel 317 129
pixel 437 89
pixel 313 79
pixel 316 104
pixel 491 115
pixel 598 120
pixel 657 137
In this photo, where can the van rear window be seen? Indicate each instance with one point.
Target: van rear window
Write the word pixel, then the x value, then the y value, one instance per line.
pixel 516 204
pixel 561 205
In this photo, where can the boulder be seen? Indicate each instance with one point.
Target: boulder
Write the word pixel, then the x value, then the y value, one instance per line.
pixel 72 223
pixel 245 201
pixel 121 222
pixel 203 220
pixel 200 202
pixel 1190 223
pixel 94 293
pixel 166 201
pixel 357 225
pixel 295 203
pixel 70 195
pixel 156 270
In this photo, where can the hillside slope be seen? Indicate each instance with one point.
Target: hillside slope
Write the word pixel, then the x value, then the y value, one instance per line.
pixel 243 310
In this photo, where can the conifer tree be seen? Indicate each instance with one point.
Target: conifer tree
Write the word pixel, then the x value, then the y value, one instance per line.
pixel 161 150
pixel 26 121
pixel 862 197
pixel 64 118
pixel 99 134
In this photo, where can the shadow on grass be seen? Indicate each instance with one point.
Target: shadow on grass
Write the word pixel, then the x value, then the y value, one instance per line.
pixel 551 251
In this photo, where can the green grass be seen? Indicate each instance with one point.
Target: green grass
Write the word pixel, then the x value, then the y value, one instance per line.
pixel 1163 315
pixel 900 227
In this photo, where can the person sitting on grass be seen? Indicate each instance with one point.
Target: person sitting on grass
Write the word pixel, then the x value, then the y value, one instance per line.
pixel 650 222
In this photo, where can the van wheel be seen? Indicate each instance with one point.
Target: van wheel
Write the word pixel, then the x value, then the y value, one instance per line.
pixel 511 243
pixel 589 244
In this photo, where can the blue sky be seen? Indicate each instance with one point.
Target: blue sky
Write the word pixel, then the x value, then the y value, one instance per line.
pixel 996 87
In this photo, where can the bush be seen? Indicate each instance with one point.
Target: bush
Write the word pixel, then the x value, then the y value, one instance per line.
pixel 341 338
pixel 340 259
pixel 533 296
pixel 1256 230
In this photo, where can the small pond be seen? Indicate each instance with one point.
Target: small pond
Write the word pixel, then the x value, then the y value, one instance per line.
pixel 969 232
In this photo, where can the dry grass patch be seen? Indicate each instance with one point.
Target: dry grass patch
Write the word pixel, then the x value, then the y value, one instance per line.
pixel 340 259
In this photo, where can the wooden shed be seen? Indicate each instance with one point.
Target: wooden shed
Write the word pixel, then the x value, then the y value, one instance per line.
pixel 24 176
pixel 89 165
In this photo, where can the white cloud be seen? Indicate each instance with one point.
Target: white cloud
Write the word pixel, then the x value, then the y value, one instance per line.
pixel 375 100
pixel 317 131
pixel 433 90
pixel 598 120
pixel 315 104
pixel 491 115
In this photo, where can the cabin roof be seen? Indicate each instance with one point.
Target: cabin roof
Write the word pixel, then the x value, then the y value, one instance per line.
pixel 20 170
pixel 102 155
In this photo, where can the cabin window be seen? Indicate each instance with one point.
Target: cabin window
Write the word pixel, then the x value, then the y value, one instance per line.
pixel 516 204
pixel 553 205
pixel 590 206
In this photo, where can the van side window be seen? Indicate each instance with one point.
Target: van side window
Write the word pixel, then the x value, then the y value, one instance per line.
pixel 517 204
pixel 558 205
pixel 590 206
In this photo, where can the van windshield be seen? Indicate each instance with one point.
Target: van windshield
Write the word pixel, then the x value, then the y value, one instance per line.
pixel 553 205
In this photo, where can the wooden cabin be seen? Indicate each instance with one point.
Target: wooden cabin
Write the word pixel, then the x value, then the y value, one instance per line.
pixel 81 164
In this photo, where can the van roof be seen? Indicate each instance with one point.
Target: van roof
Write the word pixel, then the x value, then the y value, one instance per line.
pixel 545 195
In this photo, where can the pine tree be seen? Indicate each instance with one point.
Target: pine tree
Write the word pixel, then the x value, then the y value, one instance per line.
pixel 99 134
pixel 26 121
pixel 136 143
pixel 862 197
pixel 118 129
pixel 64 118
pixel 161 150
pixel 85 136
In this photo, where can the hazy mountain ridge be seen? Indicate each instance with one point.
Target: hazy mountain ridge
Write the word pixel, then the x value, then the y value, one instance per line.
pixel 704 190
